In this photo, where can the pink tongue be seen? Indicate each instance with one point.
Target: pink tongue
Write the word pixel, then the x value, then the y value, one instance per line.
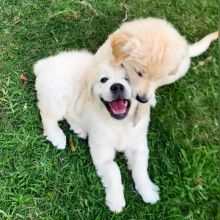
pixel 118 106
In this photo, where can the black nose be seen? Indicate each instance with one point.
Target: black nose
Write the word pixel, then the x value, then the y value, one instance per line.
pixel 117 88
pixel 142 99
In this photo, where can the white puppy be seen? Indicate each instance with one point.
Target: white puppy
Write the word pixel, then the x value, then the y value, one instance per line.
pixel 95 99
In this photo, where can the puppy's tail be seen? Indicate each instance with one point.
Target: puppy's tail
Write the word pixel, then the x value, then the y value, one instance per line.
pixel 201 46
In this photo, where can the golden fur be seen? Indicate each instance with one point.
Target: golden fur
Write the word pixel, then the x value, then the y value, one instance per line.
pixel 153 53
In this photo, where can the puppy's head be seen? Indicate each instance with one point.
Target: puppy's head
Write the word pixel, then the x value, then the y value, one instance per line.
pixel 110 89
pixel 150 56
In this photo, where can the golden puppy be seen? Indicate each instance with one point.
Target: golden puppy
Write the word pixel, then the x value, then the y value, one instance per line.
pixel 153 53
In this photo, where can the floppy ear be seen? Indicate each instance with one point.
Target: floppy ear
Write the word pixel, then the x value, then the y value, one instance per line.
pixel 118 42
pixel 123 46
pixel 89 88
pixel 86 91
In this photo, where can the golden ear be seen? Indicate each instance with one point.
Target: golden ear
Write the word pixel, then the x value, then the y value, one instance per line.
pixel 87 86
pixel 118 42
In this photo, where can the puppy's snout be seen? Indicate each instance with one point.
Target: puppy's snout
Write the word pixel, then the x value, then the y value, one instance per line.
pixel 117 88
pixel 142 99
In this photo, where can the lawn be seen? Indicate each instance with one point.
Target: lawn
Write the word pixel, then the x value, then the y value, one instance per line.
pixel 38 181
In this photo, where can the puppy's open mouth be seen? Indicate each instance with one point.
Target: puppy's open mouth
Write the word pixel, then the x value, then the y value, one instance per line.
pixel 117 108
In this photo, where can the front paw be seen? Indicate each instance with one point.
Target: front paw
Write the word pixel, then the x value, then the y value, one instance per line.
pixel 57 138
pixel 149 193
pixel 115 201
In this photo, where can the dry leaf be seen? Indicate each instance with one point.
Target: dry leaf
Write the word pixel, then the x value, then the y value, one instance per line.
pixel 71 145
pixel 199 180
pixel 16 20
pixel 126 17
pixel 23 78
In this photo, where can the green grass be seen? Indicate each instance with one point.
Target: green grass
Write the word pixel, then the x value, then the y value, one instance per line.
pixel 39 182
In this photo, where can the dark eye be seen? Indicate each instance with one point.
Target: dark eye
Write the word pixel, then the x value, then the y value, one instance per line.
pixel 127 79
pixel 139 73
pixel 103 80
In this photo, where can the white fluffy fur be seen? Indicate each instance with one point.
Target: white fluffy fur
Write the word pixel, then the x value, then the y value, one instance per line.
pixel 68 87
